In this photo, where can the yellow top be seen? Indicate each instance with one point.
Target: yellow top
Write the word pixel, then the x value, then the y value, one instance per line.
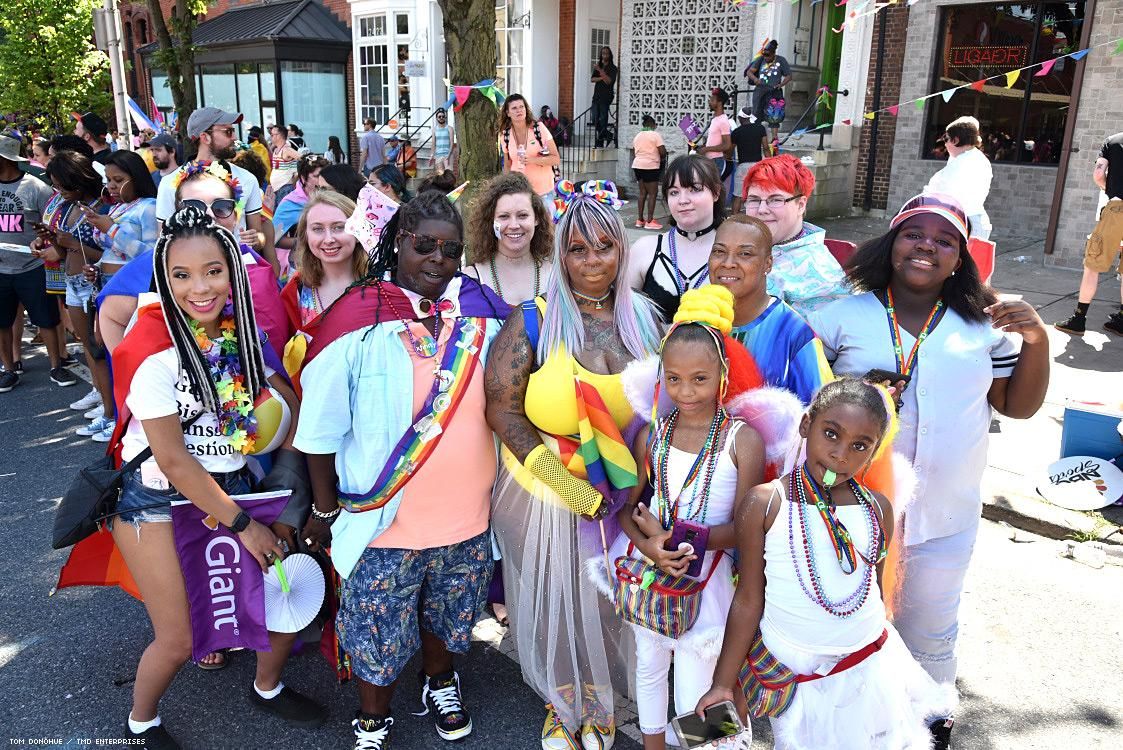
pixel 551 400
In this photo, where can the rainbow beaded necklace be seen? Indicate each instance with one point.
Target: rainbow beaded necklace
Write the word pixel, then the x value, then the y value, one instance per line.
pixel 705 461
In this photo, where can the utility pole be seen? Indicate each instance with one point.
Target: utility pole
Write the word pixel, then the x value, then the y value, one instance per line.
pixel 107 34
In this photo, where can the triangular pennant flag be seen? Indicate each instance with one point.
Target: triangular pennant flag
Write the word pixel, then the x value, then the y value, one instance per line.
pixel 920 103
pixel 870 115
pixel 1012 78
pixel 978 85
pixel 1079 55
pixel 1118 48
pixel 1046 67
pixel 489 92
pixel 450 103
pixel 846 122
pixel 893 110
pixel 461 93
pixel 948 94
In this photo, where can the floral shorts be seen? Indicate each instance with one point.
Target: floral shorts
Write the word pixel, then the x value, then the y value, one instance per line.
pixel 394 594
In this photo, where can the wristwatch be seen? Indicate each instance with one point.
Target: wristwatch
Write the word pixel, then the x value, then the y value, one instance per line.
pixel 240 522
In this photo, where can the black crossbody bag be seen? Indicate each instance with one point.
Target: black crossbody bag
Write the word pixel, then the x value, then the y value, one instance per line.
pixel 93 495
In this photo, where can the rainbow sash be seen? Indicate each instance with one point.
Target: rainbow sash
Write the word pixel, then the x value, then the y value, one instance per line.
pixel 421 438
pixel 608 462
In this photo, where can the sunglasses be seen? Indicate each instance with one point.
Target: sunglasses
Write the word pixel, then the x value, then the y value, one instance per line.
pixel 220 208
pixel 226 131
pixel 425 245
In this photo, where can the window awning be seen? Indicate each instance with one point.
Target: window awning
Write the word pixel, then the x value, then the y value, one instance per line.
pixel 298 30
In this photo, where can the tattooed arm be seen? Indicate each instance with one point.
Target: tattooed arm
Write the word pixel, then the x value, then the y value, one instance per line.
pixel 509 365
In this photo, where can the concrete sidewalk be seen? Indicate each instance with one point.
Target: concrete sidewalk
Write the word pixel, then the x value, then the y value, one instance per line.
pixel 1085 368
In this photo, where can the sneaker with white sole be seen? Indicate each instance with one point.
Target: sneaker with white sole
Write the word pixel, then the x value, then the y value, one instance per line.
pixel 90 399
pixel 554 734
pixel 94 427
pixel 8 381
pixel 105 435
pixel 372 734
pixel 95 413
pixel 441 695
pixel 63 377
pixel 598 727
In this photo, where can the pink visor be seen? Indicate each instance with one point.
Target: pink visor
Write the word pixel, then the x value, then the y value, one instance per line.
pixel 934 203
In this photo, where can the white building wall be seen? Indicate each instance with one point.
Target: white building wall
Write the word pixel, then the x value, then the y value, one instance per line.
pixel 542 61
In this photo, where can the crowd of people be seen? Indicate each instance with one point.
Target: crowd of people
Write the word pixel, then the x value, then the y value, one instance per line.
pixel 714 447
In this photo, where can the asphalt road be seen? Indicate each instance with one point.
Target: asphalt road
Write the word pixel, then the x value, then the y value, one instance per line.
pixel 1040 660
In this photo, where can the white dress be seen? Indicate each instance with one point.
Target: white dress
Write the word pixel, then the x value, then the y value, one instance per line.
pixel 883 703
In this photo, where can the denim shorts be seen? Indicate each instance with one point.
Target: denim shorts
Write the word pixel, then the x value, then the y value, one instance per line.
pixel 78 290
pixel 140 504
pixel 394 594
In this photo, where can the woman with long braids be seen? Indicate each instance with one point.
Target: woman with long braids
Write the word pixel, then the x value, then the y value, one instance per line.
pixel 176 354
pixel 664 266
pixel 527 146
pixel 587 329
pixel 510 239
pixel 951 343
pixel 392 411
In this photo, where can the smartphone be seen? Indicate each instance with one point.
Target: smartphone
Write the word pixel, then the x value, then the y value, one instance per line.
pixel 880 376
pixel 721 722
pixel 694 534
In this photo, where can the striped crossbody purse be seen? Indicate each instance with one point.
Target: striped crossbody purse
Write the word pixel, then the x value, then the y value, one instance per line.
pixel 646 596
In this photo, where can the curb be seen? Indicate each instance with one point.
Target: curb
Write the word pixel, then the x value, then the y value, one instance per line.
pixel 1040 517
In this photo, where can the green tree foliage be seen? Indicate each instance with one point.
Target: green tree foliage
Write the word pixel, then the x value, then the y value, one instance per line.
pixel 49 65
pixel 177 54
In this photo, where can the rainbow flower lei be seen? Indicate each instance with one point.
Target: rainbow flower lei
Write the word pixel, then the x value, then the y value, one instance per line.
pixel 215 169
pixel 236 419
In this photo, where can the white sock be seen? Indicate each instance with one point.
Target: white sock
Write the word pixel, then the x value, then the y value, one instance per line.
pixel 139 727
pixel 269 694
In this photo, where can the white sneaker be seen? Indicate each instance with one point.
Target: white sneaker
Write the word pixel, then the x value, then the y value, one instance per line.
pixel 95 413
pixel 91 398
pixel 94 427
pixel 105 435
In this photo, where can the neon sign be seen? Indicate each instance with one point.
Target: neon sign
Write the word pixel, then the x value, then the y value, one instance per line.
pixel 1014 56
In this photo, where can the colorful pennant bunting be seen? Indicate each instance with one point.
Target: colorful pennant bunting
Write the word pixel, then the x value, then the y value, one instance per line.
pixel 1012 78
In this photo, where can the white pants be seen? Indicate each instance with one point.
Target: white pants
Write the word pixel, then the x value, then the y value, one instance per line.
pixel 927 614
pixel 693 676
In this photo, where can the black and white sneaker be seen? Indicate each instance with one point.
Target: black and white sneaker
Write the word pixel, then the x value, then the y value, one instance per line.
pixel 62 377
pixel 941 733
pixel 1115 324
pixel 372 733
pixel 8 381
pixel 441 695
pixel 154 738
pixel 292 707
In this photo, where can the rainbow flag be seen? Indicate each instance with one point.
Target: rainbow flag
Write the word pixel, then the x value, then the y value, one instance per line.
pixel 608 462
pixel 457 191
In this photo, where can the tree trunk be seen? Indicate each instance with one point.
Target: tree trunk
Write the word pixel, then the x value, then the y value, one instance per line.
pixel 469 27
pixel 177 56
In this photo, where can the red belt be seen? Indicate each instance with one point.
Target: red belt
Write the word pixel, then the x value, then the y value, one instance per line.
pixel 852 660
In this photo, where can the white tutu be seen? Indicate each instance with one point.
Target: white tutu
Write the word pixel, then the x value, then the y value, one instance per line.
pixel 883 703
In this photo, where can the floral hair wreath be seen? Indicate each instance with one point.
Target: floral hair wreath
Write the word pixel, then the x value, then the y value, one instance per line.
pixel 601 191
pixel 218 171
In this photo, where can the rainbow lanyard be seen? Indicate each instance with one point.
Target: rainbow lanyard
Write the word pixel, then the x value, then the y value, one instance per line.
pixel 905 365
pixel 844 547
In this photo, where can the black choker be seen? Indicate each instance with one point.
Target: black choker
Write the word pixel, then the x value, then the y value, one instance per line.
pixel 694 235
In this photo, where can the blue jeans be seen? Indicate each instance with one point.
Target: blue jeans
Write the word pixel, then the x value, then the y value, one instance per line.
pixel 140 504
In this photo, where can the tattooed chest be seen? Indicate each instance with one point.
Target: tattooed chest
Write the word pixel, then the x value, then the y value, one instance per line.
pixel 604 350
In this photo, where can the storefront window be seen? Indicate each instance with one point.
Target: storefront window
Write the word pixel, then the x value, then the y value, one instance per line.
pixel 315 99
pixel 249 103
pixel 219 88
pixel 1023 123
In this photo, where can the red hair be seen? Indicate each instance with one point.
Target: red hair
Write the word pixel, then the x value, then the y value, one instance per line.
pixel 784 173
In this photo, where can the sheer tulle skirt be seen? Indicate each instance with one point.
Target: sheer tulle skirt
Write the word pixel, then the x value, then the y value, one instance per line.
pixel 572 648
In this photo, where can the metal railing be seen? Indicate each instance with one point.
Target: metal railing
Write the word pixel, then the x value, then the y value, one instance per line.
pixel 579 151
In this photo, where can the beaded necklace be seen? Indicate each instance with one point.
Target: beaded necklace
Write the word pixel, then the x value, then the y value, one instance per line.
pixel 682 281
pixel 598 302
pixel 499 290
pixel 235 414
pixel 704 465
pixel 426 346
pixel 853 602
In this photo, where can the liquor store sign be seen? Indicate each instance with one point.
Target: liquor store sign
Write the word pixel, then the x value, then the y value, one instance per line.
pixel 1005 57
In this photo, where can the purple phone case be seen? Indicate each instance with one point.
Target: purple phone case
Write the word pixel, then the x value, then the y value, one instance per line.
pixel 694 534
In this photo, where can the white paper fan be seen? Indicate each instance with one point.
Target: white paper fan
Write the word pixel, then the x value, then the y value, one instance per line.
pixel 294 591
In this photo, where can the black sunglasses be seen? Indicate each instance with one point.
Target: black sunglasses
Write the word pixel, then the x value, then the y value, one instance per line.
pixel 220 208
pixel 424 245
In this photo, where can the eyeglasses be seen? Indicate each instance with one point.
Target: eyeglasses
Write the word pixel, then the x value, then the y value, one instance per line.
pixel 774 202
pixel 220 208
pixel 227 131
pixel 424 245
